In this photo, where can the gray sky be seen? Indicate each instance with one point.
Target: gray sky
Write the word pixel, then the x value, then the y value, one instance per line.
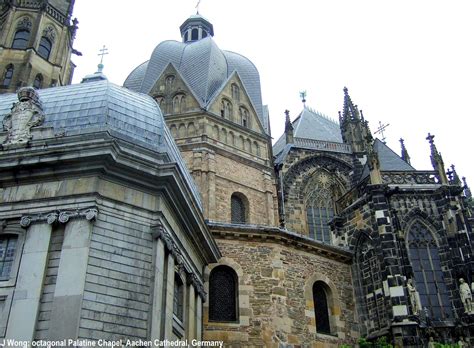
pixel 406 63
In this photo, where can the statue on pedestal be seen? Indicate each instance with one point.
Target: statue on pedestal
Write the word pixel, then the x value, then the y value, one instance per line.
pixel 415 301
pixel 466 295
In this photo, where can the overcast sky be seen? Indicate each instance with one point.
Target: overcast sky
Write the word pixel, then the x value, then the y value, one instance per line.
pixel 406 63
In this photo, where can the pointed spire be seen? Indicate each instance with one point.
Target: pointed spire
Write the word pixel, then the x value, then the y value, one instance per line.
pixel 453 176
pixel 467 190
pixel 350 111
pixel 405 155
pixel 437 160
pixel 288 128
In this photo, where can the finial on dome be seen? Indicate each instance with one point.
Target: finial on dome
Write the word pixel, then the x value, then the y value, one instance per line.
pixel 98 75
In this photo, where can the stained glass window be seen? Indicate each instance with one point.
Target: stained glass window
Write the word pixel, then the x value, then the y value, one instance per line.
pixel 21 39
pixel 44 48
pixel 223 298
pixel 8 246
pixel 319 211
pixel 321 309
pixel 429 278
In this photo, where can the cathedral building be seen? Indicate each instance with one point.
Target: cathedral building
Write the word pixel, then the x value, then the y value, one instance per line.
pixel 160 209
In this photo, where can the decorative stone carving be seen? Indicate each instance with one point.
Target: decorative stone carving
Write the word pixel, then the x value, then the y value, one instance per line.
pixel 466 296
pixel 24 114
pixel 415 301
pixel 50 33
pixel 61 216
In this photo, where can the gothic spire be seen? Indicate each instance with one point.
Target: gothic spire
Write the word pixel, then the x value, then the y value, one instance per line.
pixel 350 111
pixel 453 176
pixel 437 160
pixel 405 155
pixel 467 190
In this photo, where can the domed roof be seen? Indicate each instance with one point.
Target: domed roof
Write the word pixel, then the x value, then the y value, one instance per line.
pixel 102 106
pixel 204 67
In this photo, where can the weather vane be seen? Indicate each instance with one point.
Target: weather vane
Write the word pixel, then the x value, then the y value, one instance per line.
pixel 197 6
pixel 381 130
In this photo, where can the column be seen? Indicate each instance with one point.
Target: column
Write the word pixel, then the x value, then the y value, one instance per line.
pixel 69 291
pixel 169 294
pixel 158 288
pixel 191 313
pixel 199 318
pixel 29 285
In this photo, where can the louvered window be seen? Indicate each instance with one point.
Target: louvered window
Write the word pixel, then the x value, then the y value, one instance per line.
pixel 223 300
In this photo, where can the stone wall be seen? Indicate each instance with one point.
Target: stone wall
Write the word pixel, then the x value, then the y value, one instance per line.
pixel 275 277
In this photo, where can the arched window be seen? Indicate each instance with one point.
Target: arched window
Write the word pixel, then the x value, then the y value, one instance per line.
pixel 21 38
pixel 179 103
pixel 8 247
pixel 7 77
pixel 169 81
pixel 226 109
pixel 428 274
pixel 321 308
pixel 319 211
pixel 223 294
pixel 194 34
pixel 38 82
pixel 235 92
pixel 178 298
pixel 244 117
pixel 44 48
pixel 238 209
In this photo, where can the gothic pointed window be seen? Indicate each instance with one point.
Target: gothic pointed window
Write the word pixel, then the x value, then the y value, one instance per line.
pixel 226 109
pixel 235 92
pixel 194 34
pixel 7 77
pixel 429 278
pixel 169 81
pixel 223 298
pixel 44 48
pixel 319 211
pixel 238 209
pixel 21 38
pixel 8 247
pixel 244 117
pixel 179 103
pixel 321 308
pixel 38 82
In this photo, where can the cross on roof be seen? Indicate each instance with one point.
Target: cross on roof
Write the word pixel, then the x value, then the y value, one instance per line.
pixel 381 130
pixel 303 97
pixel 197 6
pixel 430 138
pixel 103 51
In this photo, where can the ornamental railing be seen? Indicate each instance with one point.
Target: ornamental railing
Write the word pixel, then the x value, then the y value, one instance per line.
pixel 52 11
pixel 415 177
pixel 322 145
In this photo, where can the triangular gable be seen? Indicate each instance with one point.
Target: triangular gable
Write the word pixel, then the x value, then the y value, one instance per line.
pixel 234 77
pixel 172 70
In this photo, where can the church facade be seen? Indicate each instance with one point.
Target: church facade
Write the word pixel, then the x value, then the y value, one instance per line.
pixel 161 210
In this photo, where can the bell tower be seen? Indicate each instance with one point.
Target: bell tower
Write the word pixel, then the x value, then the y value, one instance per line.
pixel 36 40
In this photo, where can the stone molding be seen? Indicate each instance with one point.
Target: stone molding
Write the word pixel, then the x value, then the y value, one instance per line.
pixel 158 232
pixel 62 216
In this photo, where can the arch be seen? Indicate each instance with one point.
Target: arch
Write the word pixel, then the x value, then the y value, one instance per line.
pixel 244 117
pixel 194 34
pixel 223 135
pixel 215 132
pixel 423 253
pixel 323 304
pixel 9 245
pixel 161 101
pixel 226 109
pixel 169 82
pixel 235 92
pixel 182 130
pixel 248 145
pixel 223 294
pixel 256 149
pixel 179 103
pixel 38 82
pixel 8 75
pixel 240 142
pixel 191 129
pixel 21 39
pixel 174 131
pixel 239 208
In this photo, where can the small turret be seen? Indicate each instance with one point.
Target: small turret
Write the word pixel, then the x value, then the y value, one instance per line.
pixel 288 128
pixel 405 156
pixel 196 28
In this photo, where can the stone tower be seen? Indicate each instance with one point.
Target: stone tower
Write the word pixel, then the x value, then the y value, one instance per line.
pixel 36 40
pixel 212 104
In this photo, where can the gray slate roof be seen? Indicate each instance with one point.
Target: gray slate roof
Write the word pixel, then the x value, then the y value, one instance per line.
pixel 204 67
pixel 102 106
pixel 311 125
